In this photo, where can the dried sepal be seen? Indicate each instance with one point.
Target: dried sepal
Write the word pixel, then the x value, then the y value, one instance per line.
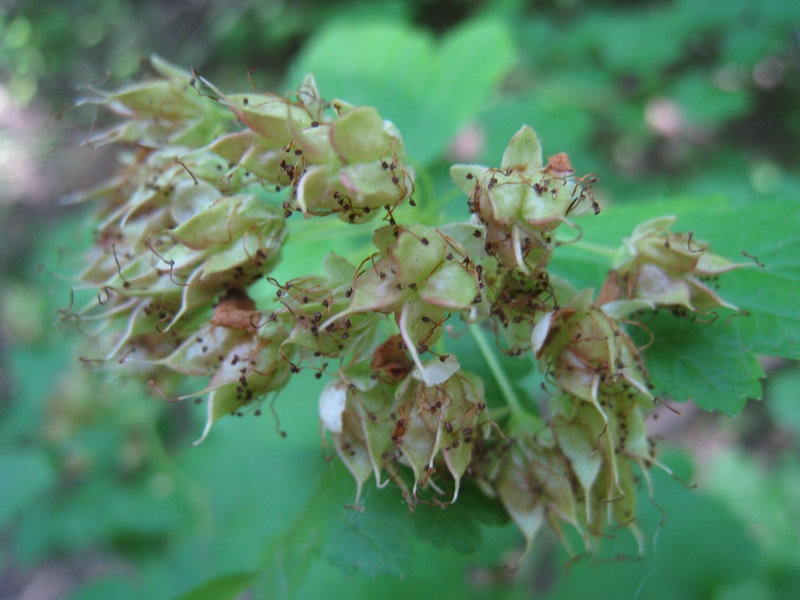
pixel 391 359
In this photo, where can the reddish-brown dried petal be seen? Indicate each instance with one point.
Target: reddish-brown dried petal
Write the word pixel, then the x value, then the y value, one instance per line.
pixel 611 290
pixel 235 312
pixel 560 163
pixel 392 358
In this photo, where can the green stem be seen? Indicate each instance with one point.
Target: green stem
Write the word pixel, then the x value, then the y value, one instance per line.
pixel 196 494
pixel 497 371
pixel 594 248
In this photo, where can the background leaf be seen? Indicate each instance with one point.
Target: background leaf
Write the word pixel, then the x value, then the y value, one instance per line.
pixel 224 587
pixel 698 549
pixel 24 477
pixel 374 542
pixel 428 90
pixel 115 587
pixel 458 525
pixel 288 557
pixel 784 400
pixel 704 362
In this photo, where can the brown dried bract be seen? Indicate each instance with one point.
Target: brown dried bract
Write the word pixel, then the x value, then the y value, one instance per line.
pixel 560 163
pixel 392 358
pixel 235 311
pixel 611 290
pixel 399 431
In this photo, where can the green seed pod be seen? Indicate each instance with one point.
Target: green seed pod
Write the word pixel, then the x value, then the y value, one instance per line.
pixel 248 150
pixel 579 429
pixel 416 428
pixel 464 421
pixel 200 354
pixel 345 424
pixel 132 329
pixel 588 353
pixel 523 201
pixel 517 302
pixel 354 192
pixel 370 185
pixel 226 245
pixel 534 485
pixel 161 112
pixel 437 425
pixel 268 115
pixel 414 280
pixel 353 166
pixel 431 429
pixel 358 417
pixel 667 269
pixel 309 303
pixel 416 252
pixel 252 368
pixel 359 137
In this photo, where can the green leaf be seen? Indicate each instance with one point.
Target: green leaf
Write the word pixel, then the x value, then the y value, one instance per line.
pixel 457 525
pixel 782 401
pixel 698 546
pixel 325 526
pixel 764 499
pixel 625 44
pixel 705 104
pixel 375 541
pixel 704 362
pixel 24 476
pixel 224 587
pixel 518 369
pixel 427 91
pixel 118 588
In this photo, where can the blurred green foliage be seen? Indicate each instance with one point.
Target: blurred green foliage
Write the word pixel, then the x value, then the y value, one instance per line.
pixel 661 99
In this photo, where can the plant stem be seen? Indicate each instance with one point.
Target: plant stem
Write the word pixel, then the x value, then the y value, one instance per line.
pixel 497 371
pixel 594 248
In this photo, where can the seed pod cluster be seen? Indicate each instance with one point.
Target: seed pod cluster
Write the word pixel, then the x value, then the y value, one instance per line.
pixel 379 425
pixel 524 201
pixel 574 467
pixel 596 423
pixel 419 275
pixel 656 268
pixel 187 226
pixel 191 222
pixel 579 467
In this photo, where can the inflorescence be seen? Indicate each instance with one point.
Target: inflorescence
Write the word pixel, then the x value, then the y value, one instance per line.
pixel 185 229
